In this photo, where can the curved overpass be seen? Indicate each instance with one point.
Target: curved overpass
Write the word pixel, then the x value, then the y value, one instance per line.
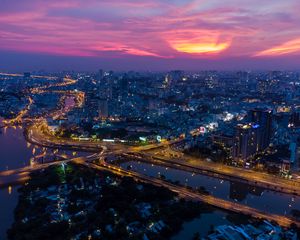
pixel 38 134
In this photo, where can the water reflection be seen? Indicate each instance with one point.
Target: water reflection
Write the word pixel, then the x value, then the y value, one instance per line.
pixel 8 202
pixel 203 224
pixel 259 198
pixel 16 152
pixel 240 191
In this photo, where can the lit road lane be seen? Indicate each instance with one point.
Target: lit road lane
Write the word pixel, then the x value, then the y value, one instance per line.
pixel 20 115
pixel 183 192
pixel 37 136
pixel 253 178
pixel 66 82
pixel 32 76
pixel 22 174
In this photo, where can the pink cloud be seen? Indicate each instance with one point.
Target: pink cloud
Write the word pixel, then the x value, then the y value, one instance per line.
pixel 289 47
pixel 148 28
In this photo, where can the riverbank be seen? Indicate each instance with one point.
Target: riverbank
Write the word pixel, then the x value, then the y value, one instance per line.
pixel 84 202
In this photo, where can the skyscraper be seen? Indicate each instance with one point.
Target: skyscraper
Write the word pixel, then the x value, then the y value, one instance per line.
pixel 100 75
pixel 247 141
pixel 262 117
pixel 103 108
pixel 243 77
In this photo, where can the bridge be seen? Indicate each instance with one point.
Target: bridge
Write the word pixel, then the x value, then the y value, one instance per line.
pixel 21 175
pixel 38 134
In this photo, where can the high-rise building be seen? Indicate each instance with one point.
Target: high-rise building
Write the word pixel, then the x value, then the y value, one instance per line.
pixel 100 75
pixel 267 85
pixel 103 108
pixel 174 77
pixel 104 84
pixel 246 141
pixel 294 120
pixel 243 77
pixel 91 104
pixel 262 117
pixel 262 86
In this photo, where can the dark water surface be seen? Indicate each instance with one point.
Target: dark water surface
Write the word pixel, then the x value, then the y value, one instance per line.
pixel 16 152
pixel 265 200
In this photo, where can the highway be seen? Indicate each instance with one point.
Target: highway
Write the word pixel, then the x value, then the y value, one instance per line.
pixel 21 114
pixel 32 76
pixel 189 194
pixel 66 82
pixel 38 133
pixel 248 176
pixel 21 175
pixel 42 89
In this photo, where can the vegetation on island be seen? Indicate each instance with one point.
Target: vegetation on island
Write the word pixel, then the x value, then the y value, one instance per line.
pixel 75 202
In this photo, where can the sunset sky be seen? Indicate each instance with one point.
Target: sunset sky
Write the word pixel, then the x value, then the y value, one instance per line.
pixel 150 34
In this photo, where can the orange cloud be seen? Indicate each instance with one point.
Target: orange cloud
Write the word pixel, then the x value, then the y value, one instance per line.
pixel 203 42
pixel 285 48
pixel 200 47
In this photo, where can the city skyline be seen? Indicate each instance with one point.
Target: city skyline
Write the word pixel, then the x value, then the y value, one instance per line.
pixel 84 153
pixel 149 35
pixel 149 119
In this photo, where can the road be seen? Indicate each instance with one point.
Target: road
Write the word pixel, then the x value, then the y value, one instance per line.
pixel 20 115
pixel 42 89
pixel 39 134
pixel 250 177
pixel 32 76
pixel 21 175
pixel 186 193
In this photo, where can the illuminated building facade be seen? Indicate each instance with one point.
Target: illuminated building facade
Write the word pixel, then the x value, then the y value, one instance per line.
pixel 247 141
pixel 262 117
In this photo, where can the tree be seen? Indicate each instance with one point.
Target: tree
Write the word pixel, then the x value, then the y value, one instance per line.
pixel 196 236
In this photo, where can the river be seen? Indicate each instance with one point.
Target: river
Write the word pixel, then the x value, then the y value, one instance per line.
pixel 8 201
pixel 202 225
pixel 265 200
pixel 16 152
